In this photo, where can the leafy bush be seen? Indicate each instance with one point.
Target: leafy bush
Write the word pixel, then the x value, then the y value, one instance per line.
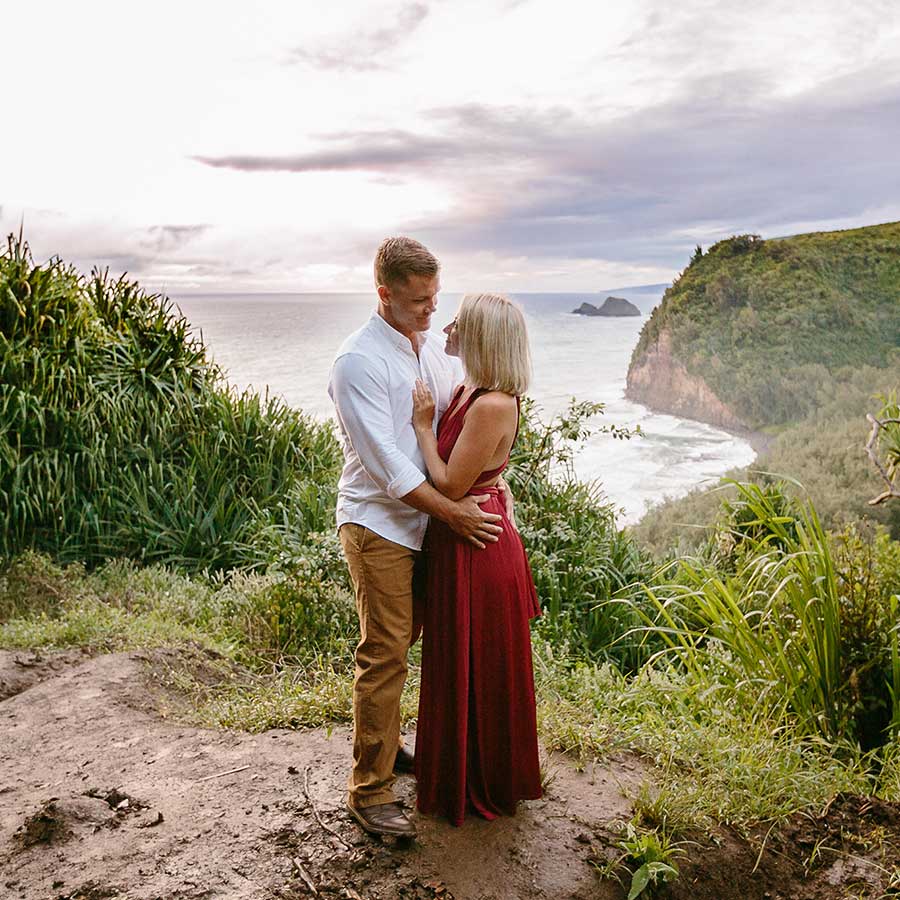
pixel 579 558
pixel 118 436
pixel 868 572
pixel 290 616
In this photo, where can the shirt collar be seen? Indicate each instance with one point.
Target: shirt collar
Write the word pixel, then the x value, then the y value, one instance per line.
pixel 400 341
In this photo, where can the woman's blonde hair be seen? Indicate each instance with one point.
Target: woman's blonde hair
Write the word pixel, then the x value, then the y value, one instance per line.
pixel 493 343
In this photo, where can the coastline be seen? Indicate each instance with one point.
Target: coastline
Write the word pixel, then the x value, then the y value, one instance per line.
pixel 759 442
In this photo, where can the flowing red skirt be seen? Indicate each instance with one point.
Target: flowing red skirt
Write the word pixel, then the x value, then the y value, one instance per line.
pixel 476 741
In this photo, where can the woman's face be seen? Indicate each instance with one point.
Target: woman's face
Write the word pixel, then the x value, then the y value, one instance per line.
pixel 451 348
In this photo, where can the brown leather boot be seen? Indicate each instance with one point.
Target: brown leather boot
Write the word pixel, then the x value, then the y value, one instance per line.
pixel 384 818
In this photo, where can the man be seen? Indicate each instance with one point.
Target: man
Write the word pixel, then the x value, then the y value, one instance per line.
pixel 383 506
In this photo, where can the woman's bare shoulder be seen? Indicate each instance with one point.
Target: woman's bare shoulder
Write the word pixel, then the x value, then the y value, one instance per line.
pixel 492 410
pixel 496 401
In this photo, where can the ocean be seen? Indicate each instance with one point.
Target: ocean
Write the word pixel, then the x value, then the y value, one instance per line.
pixel 285 343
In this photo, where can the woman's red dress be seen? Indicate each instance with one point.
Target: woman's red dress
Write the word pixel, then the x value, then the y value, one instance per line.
pixel 476 741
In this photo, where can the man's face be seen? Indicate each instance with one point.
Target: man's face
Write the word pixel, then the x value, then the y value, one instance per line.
pixel 408 306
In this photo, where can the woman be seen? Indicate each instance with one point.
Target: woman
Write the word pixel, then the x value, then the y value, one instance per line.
pixel 476 742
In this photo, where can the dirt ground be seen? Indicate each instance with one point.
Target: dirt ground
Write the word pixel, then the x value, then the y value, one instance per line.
pixel 103 793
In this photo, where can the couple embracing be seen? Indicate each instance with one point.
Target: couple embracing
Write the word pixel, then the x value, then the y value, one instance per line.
pixel 409 403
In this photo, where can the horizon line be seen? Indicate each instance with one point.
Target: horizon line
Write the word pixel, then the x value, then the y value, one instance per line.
pixel 207 293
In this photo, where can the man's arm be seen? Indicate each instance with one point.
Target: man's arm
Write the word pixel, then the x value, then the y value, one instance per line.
pixel 464 516
pixel 362 402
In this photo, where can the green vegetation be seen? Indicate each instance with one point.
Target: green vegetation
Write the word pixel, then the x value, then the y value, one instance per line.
pixel 791 616
pixel 144 503
pixel 773 325
pixel 715 759
pixel 823 460
pixel 261 620
pixel 799 337
pixel 576 552
pixel 651 855
pixel 118 437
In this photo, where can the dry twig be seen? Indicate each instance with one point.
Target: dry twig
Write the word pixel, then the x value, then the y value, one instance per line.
pixel 305 876
pixel 893 490
pixel 220 774
pixel 309 800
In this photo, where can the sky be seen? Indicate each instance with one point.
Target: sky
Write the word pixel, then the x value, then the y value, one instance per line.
pixel 533 145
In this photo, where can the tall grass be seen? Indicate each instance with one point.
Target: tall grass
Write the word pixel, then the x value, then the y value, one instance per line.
pixel 119 436
pixel 713 757
pixel 772 620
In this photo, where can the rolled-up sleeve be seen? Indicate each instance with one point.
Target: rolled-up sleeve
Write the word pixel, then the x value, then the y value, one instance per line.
pixel 359 388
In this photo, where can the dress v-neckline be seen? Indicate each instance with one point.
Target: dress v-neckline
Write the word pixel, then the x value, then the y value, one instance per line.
pixel 453 410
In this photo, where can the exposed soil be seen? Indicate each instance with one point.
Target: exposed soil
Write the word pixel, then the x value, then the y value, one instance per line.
pixel 104 794
pixel 850 849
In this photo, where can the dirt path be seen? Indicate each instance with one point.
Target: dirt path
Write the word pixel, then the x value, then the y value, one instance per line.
pixel 154 828
pixel 102 795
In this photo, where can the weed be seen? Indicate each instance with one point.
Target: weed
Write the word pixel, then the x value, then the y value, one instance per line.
pixel 649 856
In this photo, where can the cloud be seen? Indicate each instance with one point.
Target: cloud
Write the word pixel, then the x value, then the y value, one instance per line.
pixel 90 243
pixel 137 250
pixel 173 259
pixel 164 239
pixel 554 192
pixel 365 50
pixel 381 152
pixel 704 36
pixel 722 157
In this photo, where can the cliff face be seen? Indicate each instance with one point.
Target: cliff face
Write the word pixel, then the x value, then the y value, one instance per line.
pixel 660 381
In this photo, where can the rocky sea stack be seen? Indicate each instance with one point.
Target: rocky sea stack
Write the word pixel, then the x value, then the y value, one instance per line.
pixel 612 306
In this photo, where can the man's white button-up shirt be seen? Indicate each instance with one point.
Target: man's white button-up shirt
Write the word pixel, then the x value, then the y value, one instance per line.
pixel 371 384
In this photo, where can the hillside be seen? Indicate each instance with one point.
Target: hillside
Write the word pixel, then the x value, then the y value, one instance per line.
pixel 753 331
pixel 788 341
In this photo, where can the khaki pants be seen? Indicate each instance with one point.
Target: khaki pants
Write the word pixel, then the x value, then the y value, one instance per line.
pixel 382 575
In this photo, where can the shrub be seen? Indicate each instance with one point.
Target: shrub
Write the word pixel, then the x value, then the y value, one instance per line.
pixel 579 558
pixel 118 436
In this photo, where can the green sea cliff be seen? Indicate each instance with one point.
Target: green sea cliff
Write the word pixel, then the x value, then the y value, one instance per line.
pixel 788 341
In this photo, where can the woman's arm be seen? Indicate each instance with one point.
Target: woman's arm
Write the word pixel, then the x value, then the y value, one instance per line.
pixel 489 423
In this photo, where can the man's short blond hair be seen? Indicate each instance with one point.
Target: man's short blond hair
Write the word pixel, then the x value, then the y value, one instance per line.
pixel 493 343
pixel 399 257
